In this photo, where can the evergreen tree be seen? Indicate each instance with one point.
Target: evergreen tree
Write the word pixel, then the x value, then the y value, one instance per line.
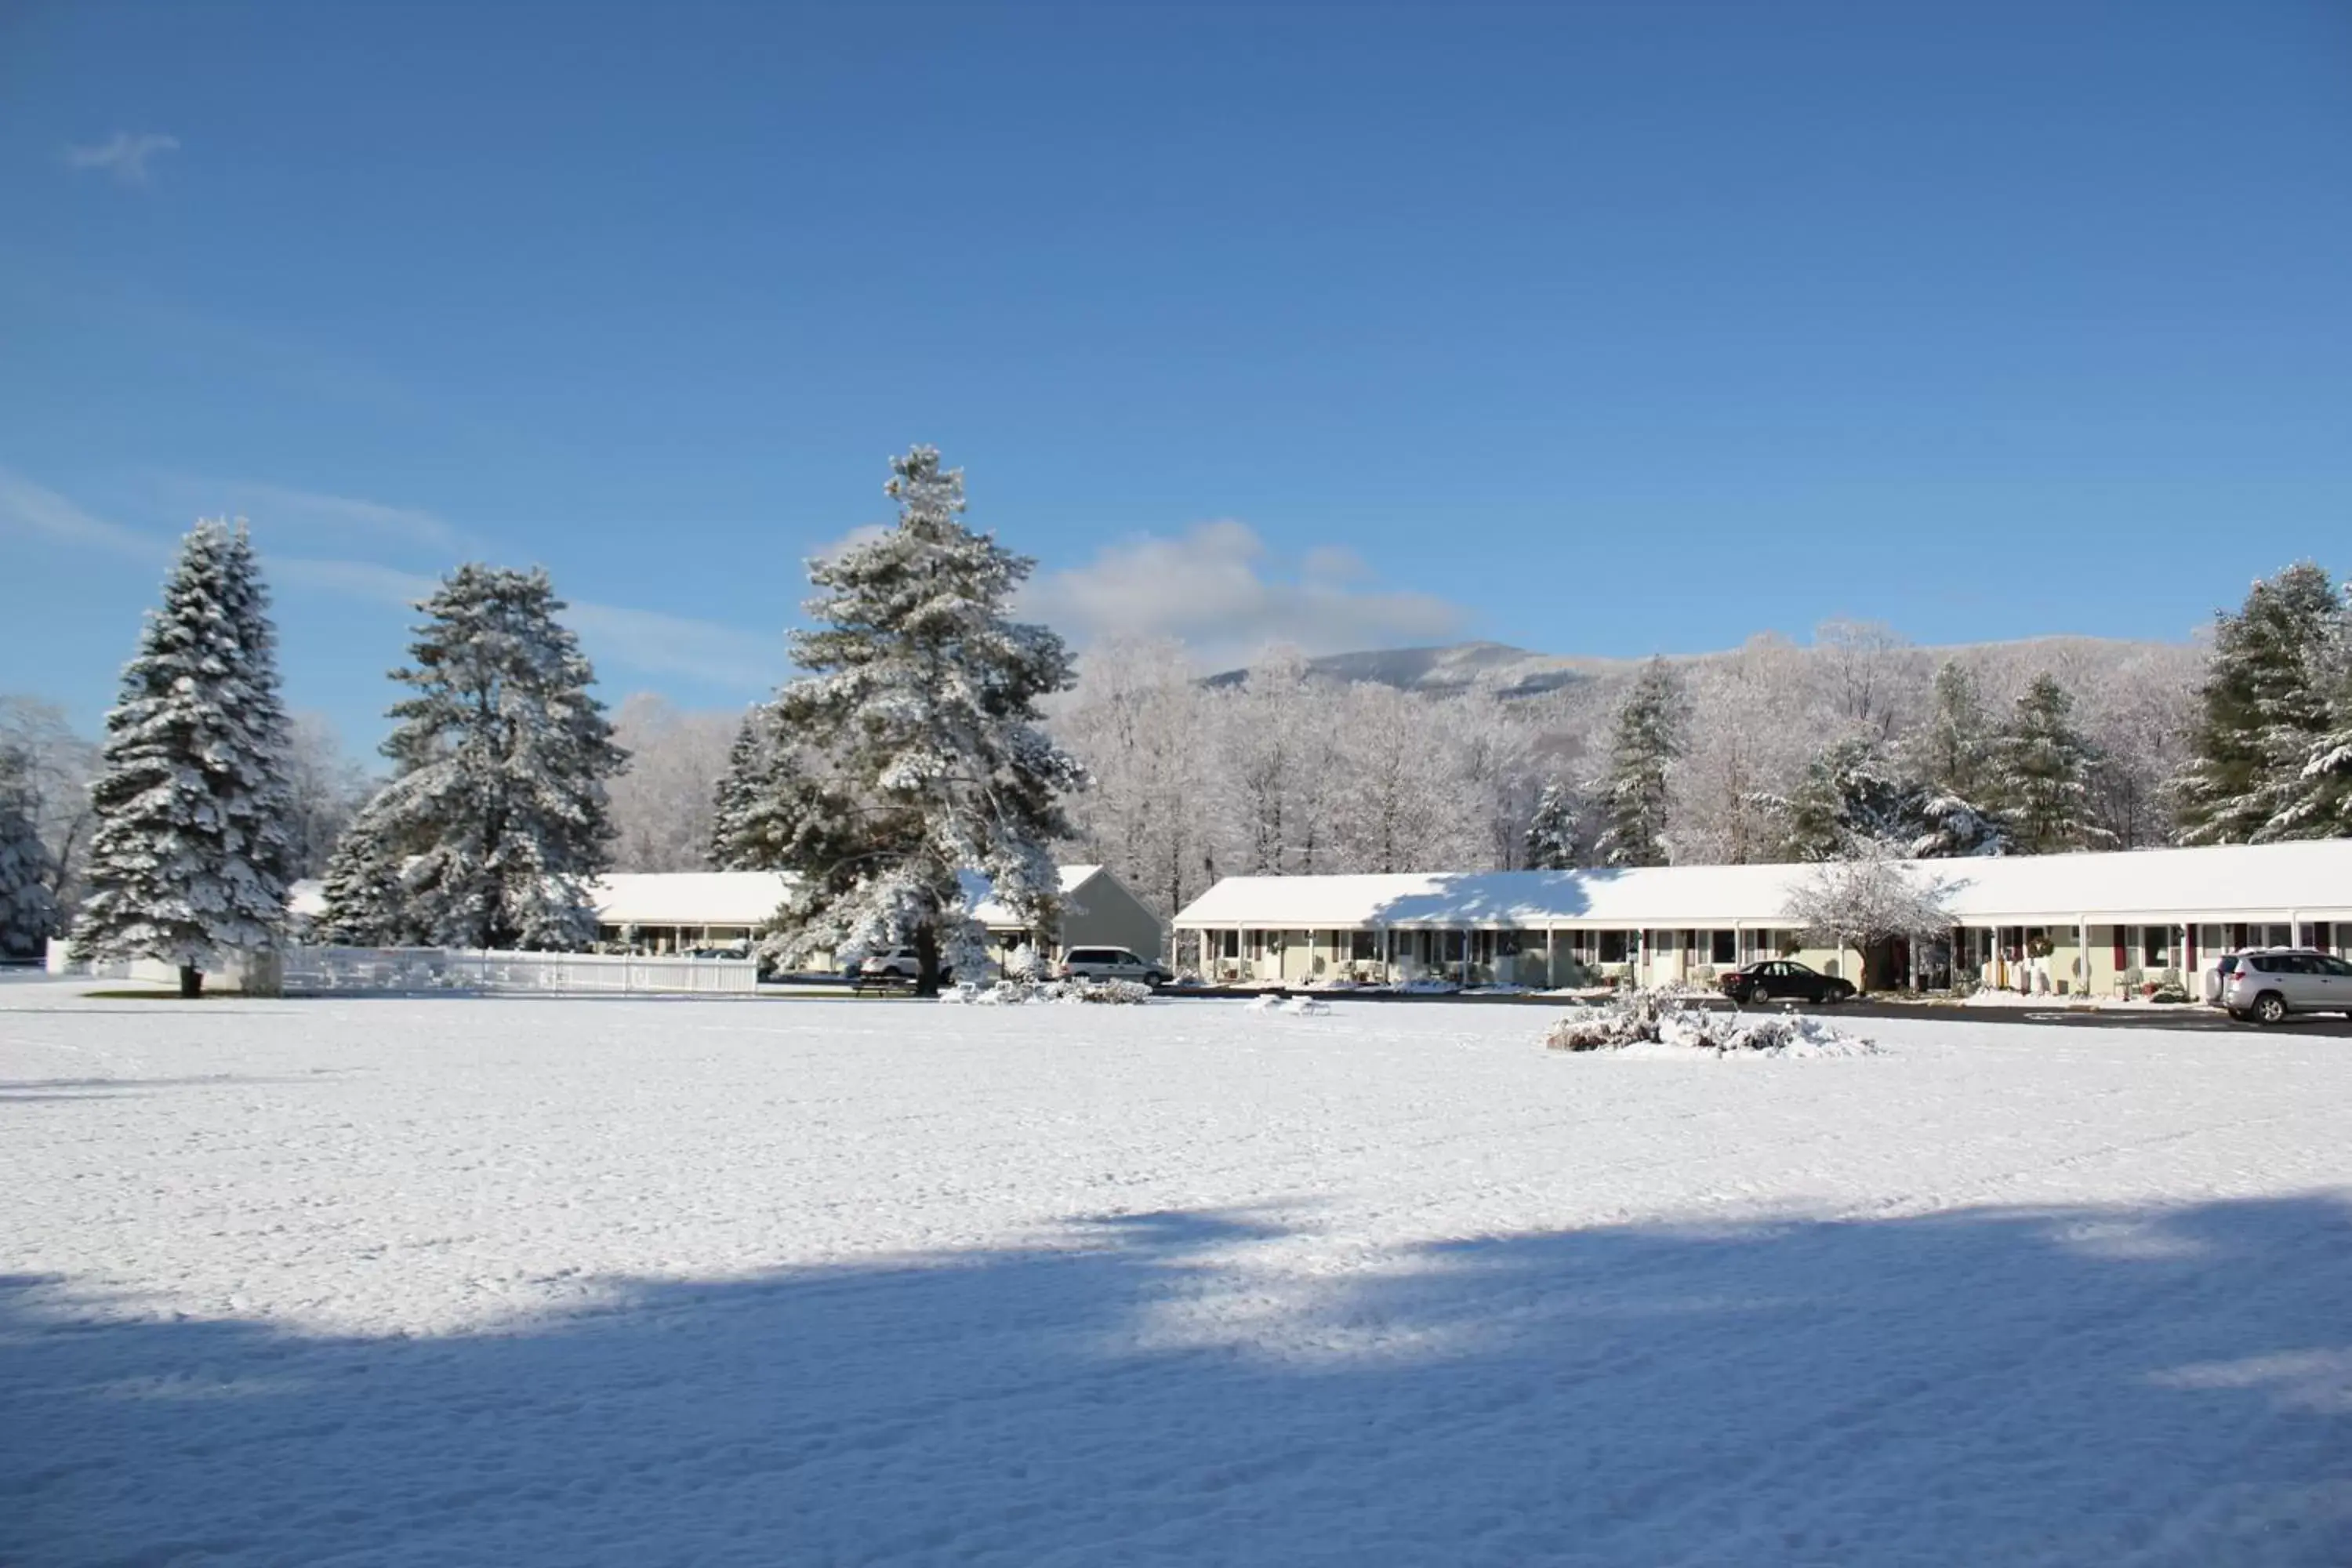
pixel 2044 774
pixel 1634 794
pixel 2263 710
pixel 29 909
pixel 1952 759
pixel 752 814
pixel 191 857
pixel 1556 832
pixel 1850 800
pixel 919 753
pixel 367 903
pixel 496 818
pixel 2316 802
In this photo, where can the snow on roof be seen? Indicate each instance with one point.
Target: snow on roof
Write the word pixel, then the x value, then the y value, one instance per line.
pixel 979 899
pixel 2268 881
pixel 688 898
pixel 750 898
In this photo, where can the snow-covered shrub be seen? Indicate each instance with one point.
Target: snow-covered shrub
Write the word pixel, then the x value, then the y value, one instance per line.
pixel 1020 993
pixel 1675 1023
pixel 1291 1006
pixel 1021 963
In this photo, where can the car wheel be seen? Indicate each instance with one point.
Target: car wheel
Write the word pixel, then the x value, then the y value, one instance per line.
pixel 1758 994
pixel 2270 1008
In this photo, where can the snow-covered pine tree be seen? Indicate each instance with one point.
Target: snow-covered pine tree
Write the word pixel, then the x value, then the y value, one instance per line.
pixel 1556 833
pixel 741 788
pixel 29 909
pixel 2043 774
pixel 190 861
pixel 367 904
pixel 919 749
pixel 2263 710
pixel 1634 796
pixel 2318 801
pixel 1851 797
pixel 1951 757
pixel 496 818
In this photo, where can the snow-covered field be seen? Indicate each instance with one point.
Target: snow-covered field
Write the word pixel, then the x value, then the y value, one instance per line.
pixel 552 1282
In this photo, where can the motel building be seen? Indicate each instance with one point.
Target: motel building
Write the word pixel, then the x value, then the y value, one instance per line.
pixel 680 911
pixel 2094 924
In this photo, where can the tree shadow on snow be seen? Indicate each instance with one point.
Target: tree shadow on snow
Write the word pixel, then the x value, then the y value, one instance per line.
pixel 2058 1386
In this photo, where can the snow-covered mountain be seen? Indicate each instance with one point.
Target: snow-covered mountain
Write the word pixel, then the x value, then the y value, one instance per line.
pixel 1521 673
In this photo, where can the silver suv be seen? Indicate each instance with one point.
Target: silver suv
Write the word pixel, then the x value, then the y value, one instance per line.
pixel 1109 964
pixel 2267 984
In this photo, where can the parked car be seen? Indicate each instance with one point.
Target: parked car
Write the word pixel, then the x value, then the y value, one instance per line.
pixel 2268 984
pixel 896 963
pixel 1110 963
pixel 1784 980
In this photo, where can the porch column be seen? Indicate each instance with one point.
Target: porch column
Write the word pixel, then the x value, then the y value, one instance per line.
pixel 1552 957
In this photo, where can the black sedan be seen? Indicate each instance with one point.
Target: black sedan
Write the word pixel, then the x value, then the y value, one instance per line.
pixel 1779 979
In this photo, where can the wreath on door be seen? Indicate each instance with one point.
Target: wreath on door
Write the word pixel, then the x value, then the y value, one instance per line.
pixel 2037 947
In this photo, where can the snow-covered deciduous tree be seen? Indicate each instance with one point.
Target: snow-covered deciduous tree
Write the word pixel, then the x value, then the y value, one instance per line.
pixel 2043 776
pixel 1866 666
pixel 1635 794
pixel 496 818
pixel 58 767
pixel 662 805
pixel 192 854
pixel 325 789
pixel 1140 718
pixel 1555 836
pixel 28 908
pixel 1860 902
pixel 1750 720
pixel 919 721
pixel 2263 709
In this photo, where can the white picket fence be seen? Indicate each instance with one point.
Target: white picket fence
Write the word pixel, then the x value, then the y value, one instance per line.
pixel 386 969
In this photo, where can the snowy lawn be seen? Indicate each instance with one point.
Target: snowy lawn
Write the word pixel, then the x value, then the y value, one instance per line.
pixel 815 1281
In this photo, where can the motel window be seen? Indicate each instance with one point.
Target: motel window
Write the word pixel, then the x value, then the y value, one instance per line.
pixel 1612 947
pixel 1723 947
pixel 1451 952
pixel 2155 947
pixel 1363 944
pixel 1229 945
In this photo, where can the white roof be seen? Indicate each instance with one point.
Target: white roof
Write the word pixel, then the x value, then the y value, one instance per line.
pixel 688 898
pixel 980 899
pixel 750 898
pixel 2222 883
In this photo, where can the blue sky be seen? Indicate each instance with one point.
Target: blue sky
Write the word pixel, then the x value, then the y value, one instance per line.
pixel 1597 328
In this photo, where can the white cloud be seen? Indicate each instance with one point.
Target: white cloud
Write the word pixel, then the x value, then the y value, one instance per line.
pixel 649 641
pixel 863 534
pixel 652 641
pixel 1222 592
pixel 352 579
pixel 122 155
pixel 26 508
pixel 273 508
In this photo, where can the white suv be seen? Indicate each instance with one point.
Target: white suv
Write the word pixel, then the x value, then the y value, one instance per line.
pixel 2268 984
pixel 1109 964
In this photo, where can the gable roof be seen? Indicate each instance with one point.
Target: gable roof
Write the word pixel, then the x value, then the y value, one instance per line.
pixel 2222 882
